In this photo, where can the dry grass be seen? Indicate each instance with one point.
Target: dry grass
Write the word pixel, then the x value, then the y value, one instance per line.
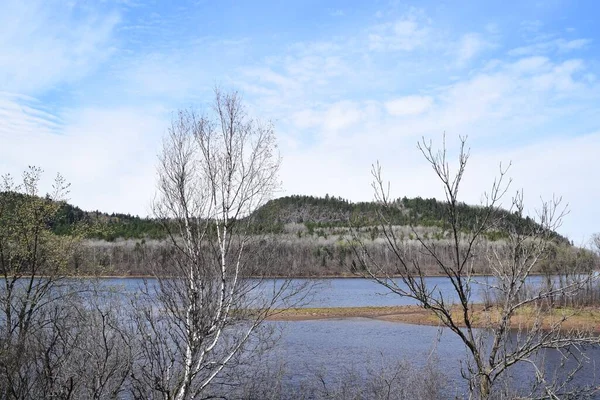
pixel 525 318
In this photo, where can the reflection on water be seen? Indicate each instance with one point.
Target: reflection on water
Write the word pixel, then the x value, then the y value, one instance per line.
pixel 351 292
pixel 356 292
pixel 334 292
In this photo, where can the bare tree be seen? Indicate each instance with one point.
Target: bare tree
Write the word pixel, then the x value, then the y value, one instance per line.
pixel 496 348
pixel 398 380
pixel 208 306
pixel 104 351
pixel 596 243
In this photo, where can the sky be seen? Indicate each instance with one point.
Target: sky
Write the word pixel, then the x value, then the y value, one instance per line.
pixel 88 88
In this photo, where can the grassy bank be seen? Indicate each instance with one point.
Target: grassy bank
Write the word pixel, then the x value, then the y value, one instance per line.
pixel 588 318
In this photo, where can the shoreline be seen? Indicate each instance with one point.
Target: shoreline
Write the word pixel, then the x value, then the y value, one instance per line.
pixel 587 318
pixel 311 277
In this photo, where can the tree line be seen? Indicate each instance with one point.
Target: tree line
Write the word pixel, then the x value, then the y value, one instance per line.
pixel 314 212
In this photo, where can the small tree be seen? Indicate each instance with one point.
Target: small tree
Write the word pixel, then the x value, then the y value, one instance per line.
pixel 58 338
pixel 210 300
pixel 494 349
pixel 32 260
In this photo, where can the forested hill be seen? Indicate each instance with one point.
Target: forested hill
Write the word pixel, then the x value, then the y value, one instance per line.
pixel 331 211
pixel 314 212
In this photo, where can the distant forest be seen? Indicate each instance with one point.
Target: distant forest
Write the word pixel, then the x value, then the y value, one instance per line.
pixel 306 235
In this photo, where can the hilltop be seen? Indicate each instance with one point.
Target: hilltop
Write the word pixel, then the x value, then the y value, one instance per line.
pixel 330 212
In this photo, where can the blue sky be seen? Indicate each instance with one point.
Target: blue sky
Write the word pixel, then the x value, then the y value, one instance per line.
pixel 88 88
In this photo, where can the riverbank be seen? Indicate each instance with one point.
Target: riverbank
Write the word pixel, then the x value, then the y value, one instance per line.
pixel 588 318
pixel 348 275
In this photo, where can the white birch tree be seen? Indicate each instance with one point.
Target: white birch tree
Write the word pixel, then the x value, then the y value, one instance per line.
pixel 210 301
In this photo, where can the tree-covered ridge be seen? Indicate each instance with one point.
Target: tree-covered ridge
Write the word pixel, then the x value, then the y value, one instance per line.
pixel 314 212
pixel 332 211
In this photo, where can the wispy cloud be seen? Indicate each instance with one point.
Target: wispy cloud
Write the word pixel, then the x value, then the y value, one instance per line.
pixel 407 33
pixel 561 45
pixel 409 105
pixel 470 45
pixel 104 152
pixel 48 43
pixel 24 114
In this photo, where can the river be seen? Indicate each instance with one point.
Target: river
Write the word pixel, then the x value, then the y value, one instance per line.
pixel 328 349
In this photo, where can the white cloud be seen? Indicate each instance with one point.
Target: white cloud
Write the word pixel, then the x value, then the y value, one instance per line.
pixel 405 34
pixel 334 119
pixel 165 76
pixel 107 155
pixel 342 115
pixel 469 46
pixel 47 43
pixel 560 77
pixel 558 166
pixel 23 114
pixel 530 65
pixel 408 105
pixel 544 47
pixel 270 77
pixel 576 44
pixel 532 26
pixel 307 118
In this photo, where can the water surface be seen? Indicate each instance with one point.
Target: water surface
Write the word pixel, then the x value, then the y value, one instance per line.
pixel 329 348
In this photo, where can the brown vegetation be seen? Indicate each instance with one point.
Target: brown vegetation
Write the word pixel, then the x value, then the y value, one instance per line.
pixel 570 318
pixel 327 255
